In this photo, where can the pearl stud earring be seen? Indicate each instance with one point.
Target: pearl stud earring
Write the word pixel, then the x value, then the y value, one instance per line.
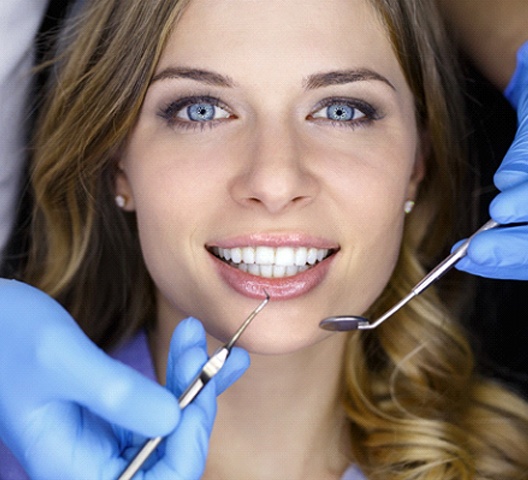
pixel 408 206
pixel 120 201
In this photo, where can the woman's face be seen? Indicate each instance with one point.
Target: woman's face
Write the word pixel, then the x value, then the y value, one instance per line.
pixel 274 151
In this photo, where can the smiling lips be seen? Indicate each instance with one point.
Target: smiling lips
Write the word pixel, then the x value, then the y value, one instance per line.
pixel 270 262
pixel 284 272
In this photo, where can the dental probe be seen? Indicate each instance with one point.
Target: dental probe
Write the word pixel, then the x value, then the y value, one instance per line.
pixel 345 323
pixel 208 371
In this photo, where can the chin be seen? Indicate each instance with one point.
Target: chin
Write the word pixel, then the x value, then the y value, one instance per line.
pixel 283 340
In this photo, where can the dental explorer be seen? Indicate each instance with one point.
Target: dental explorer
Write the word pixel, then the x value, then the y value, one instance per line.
pixel 208 371
pixel 344 323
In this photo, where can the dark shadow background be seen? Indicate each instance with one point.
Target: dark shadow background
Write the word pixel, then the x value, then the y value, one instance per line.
pixel 499 320
pixel 498 317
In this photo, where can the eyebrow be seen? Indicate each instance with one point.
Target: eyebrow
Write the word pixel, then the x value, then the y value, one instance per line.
pixel 204 76
pixel 341 77
pixel 317 80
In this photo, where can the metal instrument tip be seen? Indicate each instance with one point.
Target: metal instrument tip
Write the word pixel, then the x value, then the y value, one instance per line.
pixel 247 321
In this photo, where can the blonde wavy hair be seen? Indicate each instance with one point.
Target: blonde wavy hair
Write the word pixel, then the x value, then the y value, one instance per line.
pixel 417 408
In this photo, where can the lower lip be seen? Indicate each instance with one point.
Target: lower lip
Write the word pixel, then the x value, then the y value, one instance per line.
pixel 277 288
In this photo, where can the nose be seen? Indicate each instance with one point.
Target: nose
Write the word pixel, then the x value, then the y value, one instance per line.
pixel 275 173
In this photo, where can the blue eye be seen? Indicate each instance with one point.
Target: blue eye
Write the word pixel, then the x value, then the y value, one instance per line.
pixel 202 112
pixel 194 110
pixel 339 112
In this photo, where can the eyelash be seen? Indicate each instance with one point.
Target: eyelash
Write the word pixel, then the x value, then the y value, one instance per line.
pixel 170 112
pixel 370 113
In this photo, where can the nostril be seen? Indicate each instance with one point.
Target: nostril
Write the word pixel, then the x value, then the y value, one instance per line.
pixel 300 198
pixel 274 183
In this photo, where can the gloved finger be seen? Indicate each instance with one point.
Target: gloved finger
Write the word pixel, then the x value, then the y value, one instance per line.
pixel 516 92
pixel 73 444
pixel 183 453
pixel 237 363
pixel 62 364
pixel 109 388
pixel 501 253
pixel 190 333
pixel 514 167
pixel 511 205
pixel 182 371
pixel 187 354
pixel 115 391
pixel 185 450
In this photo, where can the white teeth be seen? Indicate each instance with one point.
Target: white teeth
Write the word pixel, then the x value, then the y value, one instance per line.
pixel 236 255
pixel 312 256
pixel 279 271
pixel 243 267
pixel 265 255
pixel 248 255
pixel 254 269
pixel 291 271
pixel 266 271
pixel 300 256
pixel 269 262
pixel 285 257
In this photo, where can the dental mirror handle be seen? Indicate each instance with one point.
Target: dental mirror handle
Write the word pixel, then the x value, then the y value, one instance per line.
pixel 448 263
pixel 435 274
pixel 351 322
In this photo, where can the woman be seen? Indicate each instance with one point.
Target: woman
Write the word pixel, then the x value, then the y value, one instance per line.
pixel 274 147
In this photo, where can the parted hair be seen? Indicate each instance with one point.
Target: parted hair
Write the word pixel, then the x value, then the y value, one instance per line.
pixel 418 408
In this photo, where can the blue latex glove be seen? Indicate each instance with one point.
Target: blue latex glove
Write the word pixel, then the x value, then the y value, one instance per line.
pixel 503 252
pixel 67 409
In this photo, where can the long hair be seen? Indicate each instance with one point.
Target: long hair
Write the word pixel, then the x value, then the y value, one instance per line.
pixel 417 409
pixel 84 250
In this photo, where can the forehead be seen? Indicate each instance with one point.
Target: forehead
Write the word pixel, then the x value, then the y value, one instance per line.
pixel 282 36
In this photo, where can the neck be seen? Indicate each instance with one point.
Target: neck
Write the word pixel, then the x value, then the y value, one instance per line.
pixel 282 419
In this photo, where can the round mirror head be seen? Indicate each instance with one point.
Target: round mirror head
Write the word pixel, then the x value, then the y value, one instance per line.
pixel 344 323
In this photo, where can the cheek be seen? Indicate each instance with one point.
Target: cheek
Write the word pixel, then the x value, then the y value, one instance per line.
pixel 369 195
pixel 369 253
pixel 370 184
pixel 157 228
pixel 171 180
pixel 177 196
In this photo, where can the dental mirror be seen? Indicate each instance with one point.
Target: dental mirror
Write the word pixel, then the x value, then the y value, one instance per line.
pixel 344 323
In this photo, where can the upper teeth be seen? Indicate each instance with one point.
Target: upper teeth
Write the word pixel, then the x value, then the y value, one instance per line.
pixel 272 262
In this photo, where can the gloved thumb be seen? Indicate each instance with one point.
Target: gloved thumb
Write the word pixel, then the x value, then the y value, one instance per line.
pixel 514 167
pixel 188 353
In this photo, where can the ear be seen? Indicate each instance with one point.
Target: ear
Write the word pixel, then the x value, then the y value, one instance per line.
pixel 122 188
pixel 419 169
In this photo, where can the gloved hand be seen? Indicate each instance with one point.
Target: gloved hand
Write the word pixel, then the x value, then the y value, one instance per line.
pixel 67 410
pixel 503 252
